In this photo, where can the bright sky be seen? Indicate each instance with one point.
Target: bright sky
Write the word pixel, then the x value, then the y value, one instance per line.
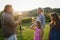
pixel 25 5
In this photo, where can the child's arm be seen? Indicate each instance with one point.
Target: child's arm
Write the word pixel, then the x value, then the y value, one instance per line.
pixel 33 26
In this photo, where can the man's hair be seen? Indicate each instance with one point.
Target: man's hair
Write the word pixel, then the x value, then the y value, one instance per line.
pixel 6 7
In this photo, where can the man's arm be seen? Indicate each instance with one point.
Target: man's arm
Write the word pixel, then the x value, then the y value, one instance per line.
pixel 10 21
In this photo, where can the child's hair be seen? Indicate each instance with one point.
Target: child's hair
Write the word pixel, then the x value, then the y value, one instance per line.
pixel 38 24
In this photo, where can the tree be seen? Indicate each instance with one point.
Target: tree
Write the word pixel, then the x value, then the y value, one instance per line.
pixel 56 10
pixel 0 17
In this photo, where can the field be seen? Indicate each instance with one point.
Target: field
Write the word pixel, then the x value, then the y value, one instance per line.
pixel 27 33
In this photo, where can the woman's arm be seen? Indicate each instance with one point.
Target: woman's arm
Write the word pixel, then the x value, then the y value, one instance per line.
pixel 51 24
pixel 41 35
pixel 49 36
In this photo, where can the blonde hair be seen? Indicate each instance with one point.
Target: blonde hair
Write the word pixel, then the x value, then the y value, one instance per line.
pixel 6 7
pixel 41 9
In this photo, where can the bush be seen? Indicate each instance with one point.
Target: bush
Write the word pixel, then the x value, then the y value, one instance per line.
pixel 27 20
pixel 0 17
pixel 47 17
pixel 24 19
pixel 0 23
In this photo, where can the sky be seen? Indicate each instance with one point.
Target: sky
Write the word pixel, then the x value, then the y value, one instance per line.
pixel 25 5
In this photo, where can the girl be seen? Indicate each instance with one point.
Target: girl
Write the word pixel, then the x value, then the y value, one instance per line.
pixel 38 31
pixel 54 27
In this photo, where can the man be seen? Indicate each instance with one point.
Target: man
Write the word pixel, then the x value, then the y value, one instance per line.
pixel 41 19
pixel 9 24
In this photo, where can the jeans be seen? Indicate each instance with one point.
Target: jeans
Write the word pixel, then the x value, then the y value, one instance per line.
pixel 13 37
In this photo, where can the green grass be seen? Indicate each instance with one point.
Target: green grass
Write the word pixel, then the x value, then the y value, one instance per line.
pixel 27 33
pixel 1 36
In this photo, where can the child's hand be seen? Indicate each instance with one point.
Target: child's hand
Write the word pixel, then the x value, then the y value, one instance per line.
pixel 34 28
pixel 33 20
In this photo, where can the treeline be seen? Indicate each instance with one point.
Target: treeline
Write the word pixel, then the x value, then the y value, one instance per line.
pixel 33 13
pixel 47 12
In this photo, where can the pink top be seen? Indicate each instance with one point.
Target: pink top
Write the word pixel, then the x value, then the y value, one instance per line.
pixel 37 34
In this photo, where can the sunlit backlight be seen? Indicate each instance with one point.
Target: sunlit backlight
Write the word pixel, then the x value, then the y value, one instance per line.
pixel 20 13
pixel 32 17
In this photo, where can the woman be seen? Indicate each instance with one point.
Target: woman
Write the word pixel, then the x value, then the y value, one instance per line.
pixel 54 33
pixel 41 18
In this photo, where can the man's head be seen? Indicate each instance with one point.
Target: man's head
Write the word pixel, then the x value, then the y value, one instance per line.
pixel 8 9
pixel 39 10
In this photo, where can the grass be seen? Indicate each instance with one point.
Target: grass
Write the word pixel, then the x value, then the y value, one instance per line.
pixel 27 33
pixel 1 36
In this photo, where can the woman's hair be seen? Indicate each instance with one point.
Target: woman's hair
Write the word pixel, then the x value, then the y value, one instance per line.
pixel 38 24
pixel 6 7
pixel 56 19
pixel 55 16
pixel 41 9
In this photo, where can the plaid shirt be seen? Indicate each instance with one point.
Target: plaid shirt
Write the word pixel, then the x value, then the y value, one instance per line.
pixel 8 24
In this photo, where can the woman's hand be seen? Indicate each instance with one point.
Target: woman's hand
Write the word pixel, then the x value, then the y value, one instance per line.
pixel 52 22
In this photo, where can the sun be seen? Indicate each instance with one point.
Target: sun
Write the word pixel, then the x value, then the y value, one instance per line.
pixel 20 13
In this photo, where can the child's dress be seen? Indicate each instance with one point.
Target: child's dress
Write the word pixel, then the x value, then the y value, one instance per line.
pixel 37 34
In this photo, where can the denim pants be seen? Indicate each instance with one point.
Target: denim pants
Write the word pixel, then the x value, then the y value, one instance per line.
pixel 13 37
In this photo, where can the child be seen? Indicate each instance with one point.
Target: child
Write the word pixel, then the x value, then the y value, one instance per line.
pixel 38 31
